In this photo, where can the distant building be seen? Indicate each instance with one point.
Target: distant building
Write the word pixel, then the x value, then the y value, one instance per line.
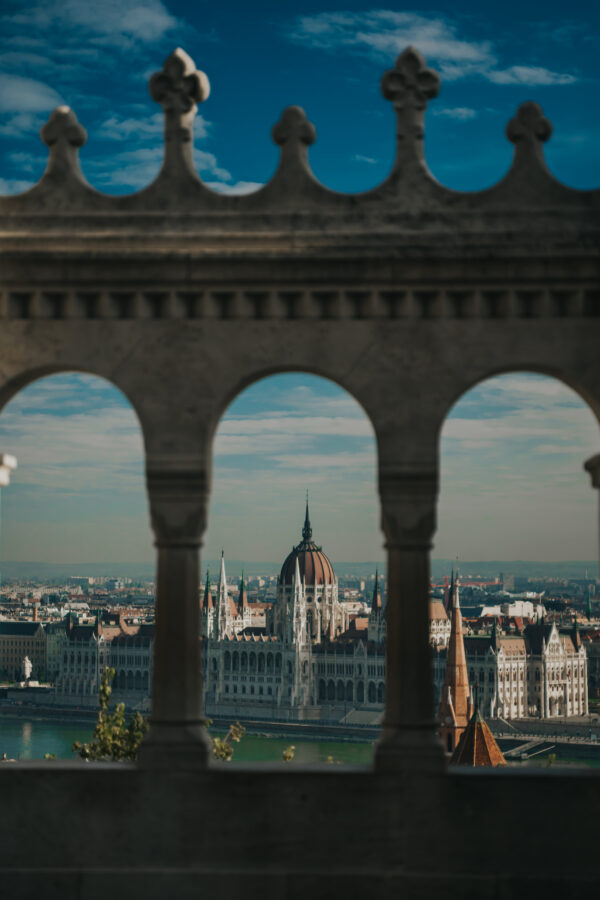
pixel 17 640
pixel 86 650
pixel 309 661
pixel 539 672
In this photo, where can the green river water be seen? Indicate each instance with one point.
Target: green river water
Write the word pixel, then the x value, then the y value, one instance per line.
pixel 32 738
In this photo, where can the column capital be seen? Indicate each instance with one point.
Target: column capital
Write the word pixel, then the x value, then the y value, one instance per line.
pixel 408 507
pixel 178 499
pixel 592 465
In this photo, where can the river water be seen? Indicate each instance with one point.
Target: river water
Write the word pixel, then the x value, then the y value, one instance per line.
pixel 32 738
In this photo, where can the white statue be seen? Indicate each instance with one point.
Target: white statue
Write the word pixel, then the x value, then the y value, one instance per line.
pixel 27 667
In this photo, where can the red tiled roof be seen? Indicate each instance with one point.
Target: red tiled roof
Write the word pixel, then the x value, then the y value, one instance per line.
pixel 477 746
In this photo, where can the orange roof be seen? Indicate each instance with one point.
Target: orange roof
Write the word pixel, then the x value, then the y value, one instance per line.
pixel 477 746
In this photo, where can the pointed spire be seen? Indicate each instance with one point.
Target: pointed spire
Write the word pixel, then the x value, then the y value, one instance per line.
pixel 208 600
pixel 243 598
pixel 297 576
pixel 222 576
pixel 455 705
pixel 307 530
pixel 376 603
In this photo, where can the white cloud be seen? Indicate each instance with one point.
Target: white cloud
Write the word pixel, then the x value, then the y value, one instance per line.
pixel 383 34
pixel 460 113
pixel 297 425
pixel 237 188
pixel 26 95
pixel 113 22
pixel 14 185
pixel 530 75
pixel 358 157
pixel 123 128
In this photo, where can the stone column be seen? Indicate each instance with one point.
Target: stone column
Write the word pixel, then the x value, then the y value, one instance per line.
pixel 178 501
pixel 409 741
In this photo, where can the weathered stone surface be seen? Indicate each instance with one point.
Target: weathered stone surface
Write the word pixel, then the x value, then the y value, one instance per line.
pixel 407 296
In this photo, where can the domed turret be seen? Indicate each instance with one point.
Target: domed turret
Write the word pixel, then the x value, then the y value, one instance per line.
pixel 315 567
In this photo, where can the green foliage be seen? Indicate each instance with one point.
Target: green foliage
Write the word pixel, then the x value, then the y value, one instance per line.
pixel 551 760
pixel 289 753
pixel 116 739
pixel 222 748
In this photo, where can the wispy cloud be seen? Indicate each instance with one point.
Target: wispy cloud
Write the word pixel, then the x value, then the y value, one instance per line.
pixel 119 23
pixel 460 113
pixel 381 34
pixel 26 95
pixel 358 157
pixel 531 75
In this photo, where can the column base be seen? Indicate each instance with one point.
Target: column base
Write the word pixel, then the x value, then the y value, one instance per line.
pixel 175 746
pixel 410 749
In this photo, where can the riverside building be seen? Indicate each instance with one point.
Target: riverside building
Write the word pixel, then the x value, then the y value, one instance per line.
pixel 308 661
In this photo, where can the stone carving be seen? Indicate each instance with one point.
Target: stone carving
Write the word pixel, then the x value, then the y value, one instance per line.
pixel 178 506
pixel 294 128
pixel 63 135
pixel 529 124
pixel 409 85
pixel 62 126
pixel 179 87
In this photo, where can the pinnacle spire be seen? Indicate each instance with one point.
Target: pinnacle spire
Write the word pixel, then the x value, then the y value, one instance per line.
pixel 307 530
pixel 222 576
pixel 376 601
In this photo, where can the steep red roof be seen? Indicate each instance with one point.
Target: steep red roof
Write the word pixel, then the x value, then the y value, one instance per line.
pixel 477 746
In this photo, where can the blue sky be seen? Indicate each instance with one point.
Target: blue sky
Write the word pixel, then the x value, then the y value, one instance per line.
pixel 513 448
pixel 512 479
pixel 327 57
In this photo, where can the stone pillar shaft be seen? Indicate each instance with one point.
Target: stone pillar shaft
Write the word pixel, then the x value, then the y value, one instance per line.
pixel 409 739
pixel 177 737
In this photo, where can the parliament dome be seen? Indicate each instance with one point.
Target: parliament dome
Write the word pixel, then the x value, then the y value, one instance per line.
pixel 315 568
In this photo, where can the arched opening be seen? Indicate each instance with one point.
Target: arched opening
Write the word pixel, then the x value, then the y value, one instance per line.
pixel 281 437
pixel 77 506
pixel 515 497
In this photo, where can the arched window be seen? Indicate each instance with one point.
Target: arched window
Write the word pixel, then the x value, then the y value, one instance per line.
pixel 349 692
pixel 252 661
pixel 372 692
pixel 269 662
pixel 340 691
pixel 227 661
pixel 235 661
pixel 244 661
pixel 331 690
pixel 261 662
pixel 360 692
pixel 322 689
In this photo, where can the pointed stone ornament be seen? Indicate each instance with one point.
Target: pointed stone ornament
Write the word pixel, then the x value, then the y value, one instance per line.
pixel 529 124
pixel 179 87
pixel 528 130
pixel 63 135
pixel 294 134
pixel 409 85
pixel 294 128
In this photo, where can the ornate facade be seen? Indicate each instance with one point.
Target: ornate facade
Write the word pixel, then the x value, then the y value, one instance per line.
pixel 540 672
pixel 308 661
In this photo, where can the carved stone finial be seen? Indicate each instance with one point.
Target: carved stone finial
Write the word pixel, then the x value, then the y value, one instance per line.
pixel 409 85
pixel 529 124
pixel 410 81
pixel 63 135
pixel 294 126
pixel 179 86
pixel 63 125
